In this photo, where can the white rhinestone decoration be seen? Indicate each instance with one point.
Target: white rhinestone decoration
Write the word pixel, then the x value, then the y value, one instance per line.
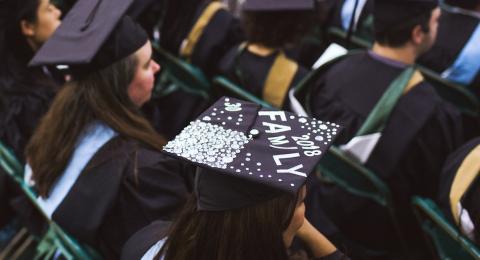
pixel 208 144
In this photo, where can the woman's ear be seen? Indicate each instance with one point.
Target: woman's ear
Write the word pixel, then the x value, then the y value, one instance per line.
pixel 27 28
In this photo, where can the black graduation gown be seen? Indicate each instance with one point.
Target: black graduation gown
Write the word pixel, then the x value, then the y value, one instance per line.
pixel 144 239
pixel 171 113
pixel 222 32
pixel 418 136
pixel 471 199
pixel 454 31
pixel 123 188
pixel 250 71
pixel 21 108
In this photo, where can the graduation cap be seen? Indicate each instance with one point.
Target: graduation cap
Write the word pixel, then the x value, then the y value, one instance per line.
pixel 393 14
pixel 248 154
pixel 278 5
pixel 93 35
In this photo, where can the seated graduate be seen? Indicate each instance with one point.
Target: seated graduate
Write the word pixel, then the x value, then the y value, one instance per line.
pixel 459 190
pixel 94 160
pixel 26 93
pixel 456 53
pixel 261 65
pixel 200 32
pixel 403 131
pixel 249 187
pixel 341 17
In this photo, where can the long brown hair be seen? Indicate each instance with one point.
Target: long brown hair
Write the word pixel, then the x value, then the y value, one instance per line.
pixel 101 96
pixel 254 232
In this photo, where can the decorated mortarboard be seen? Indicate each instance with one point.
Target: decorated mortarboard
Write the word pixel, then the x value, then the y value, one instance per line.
pixel 278 5
pixel 393 14
pixel 249 154
pixel 92 36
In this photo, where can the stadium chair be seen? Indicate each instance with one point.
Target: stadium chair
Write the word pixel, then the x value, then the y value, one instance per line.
pixel 236 91
pixel 356 179
pixel 445 239
pixel 55 242
pixel 339 36
pixel 458 95
pixel 181 73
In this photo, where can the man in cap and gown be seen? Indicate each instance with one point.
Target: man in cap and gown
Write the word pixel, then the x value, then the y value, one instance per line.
pixel 395 123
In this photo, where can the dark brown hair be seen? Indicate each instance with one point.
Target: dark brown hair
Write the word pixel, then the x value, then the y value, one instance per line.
pixel 101 96
pixel 399 35
pixel 277 29
pixel 254 232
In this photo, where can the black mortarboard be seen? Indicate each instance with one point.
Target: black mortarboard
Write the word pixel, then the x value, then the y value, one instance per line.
pixel 248 154
pixel 92 36
pixel 278 5
pixel 393 14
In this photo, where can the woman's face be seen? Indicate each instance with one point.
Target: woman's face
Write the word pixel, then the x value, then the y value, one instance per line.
pixel 140 89
pixel 48 20
pixel 297 220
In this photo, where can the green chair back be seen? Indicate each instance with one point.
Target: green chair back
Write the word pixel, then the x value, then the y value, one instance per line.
pixel 181 73
pixel 356 179
pixel 237 91
pixel 339 36
pixel 446 240
pixel 458 95
pixel 55 242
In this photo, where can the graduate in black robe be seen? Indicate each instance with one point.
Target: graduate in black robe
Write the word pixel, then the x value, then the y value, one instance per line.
pixel 246 204
pixel 105 177
pixel 25 93
pixel 459 22
pixel 199 32
pixel 417 136
pixel 262 65
pixel 220 32
pixel 459 190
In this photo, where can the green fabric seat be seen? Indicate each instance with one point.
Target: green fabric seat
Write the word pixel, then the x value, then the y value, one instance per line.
pixel 180 73
pixel 445 239
pixel 236 91
pixel 458 95
pixel 54 242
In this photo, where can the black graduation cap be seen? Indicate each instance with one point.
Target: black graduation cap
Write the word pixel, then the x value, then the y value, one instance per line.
pixel 278 5
pixel 93 35
pixel 393 14
pixel 249 154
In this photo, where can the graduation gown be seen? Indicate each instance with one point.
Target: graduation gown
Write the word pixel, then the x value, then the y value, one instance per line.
pixel 21 108
pixel 450 42
pixel 420 133
pixel 250 71
pixel 147 243
pixel 124 187
pixel 221 33
pixel 470 200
